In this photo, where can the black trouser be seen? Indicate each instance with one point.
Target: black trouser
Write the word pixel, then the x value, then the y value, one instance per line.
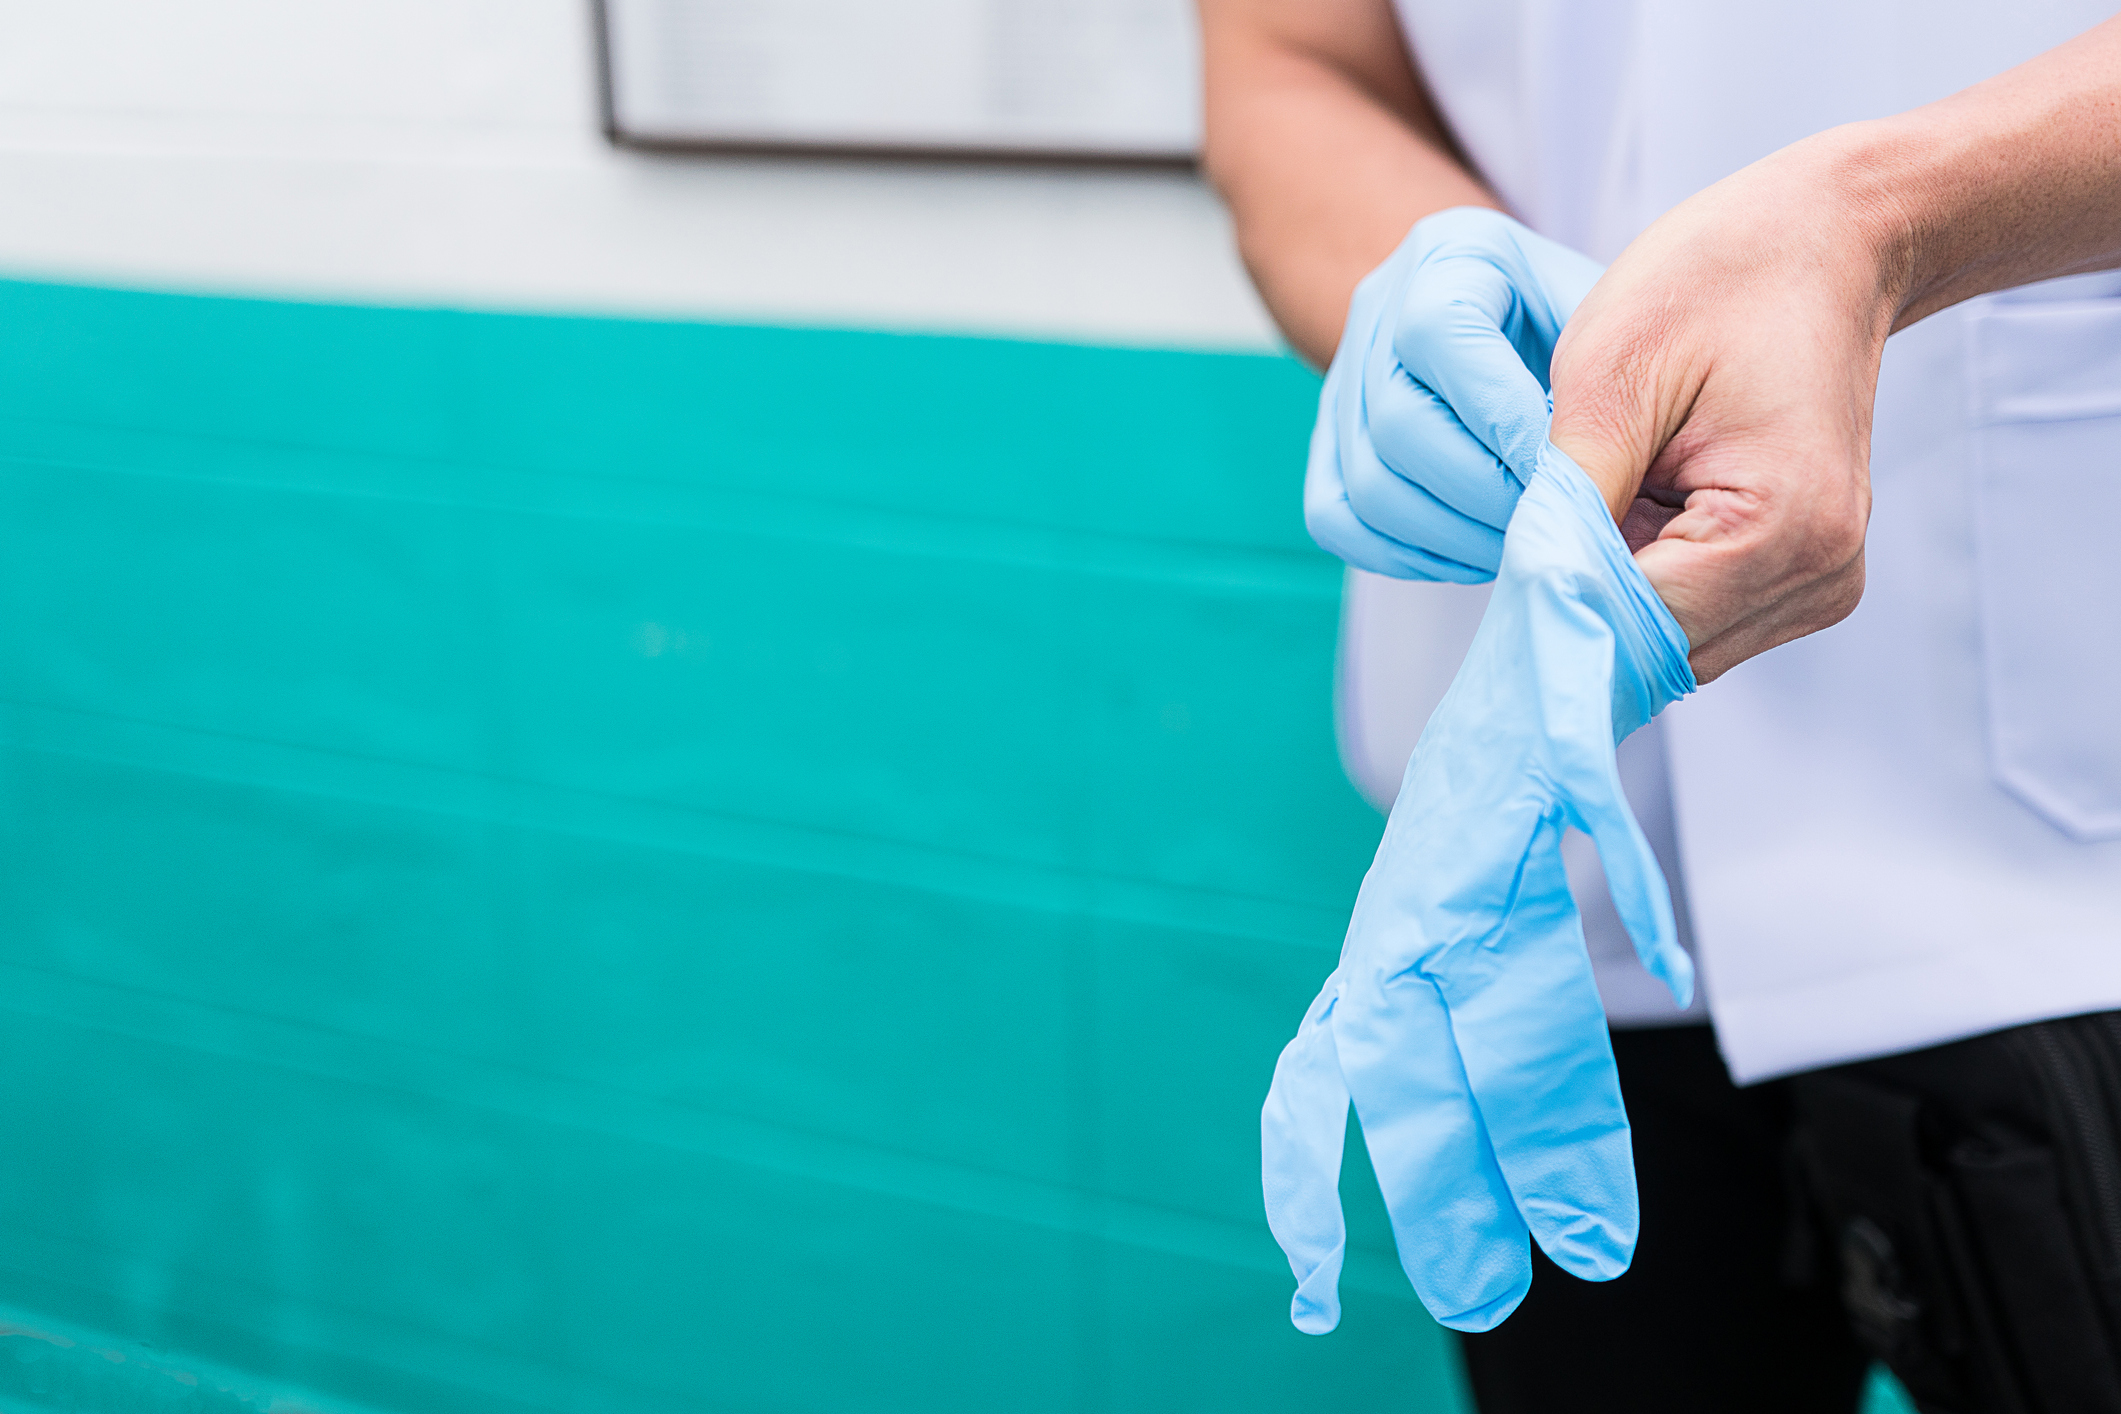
pixel 1955 1210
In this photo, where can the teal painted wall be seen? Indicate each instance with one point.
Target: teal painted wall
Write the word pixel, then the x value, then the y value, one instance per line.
pixel 556 864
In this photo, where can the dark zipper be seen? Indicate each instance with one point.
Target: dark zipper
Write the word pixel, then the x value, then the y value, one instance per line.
pixel 2083 1087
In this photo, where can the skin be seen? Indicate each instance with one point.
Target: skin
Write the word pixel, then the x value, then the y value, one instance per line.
pixel 1718 383
pixel 1326 147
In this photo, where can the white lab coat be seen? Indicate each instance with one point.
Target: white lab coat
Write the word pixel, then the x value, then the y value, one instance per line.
pixel 1905 829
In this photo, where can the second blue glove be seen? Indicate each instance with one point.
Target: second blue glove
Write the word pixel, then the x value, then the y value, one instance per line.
pixel 1434 410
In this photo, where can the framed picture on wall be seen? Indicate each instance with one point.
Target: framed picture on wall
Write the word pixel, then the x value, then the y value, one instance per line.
pixel 1091 80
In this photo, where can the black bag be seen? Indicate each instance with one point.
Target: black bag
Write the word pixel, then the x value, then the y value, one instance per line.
pixel 1969 1197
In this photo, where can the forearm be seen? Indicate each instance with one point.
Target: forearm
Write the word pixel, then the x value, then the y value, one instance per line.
pixel 2014 180
pixel 1325 161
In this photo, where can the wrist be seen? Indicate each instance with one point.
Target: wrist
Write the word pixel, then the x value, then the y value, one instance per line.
pixel 2015 180
pixel 1876 183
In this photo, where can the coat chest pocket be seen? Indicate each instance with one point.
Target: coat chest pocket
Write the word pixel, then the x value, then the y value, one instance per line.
pixel 2045 402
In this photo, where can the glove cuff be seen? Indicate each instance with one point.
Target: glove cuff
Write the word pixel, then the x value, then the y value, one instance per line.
pixel 1650 667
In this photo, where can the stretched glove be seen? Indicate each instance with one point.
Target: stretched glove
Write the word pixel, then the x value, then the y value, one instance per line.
pixel 1435 409
pixel 1462 1019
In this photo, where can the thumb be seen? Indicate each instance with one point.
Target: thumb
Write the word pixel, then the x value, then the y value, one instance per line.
pixel 1615 414
pixel 1608 441
pixel 1617 400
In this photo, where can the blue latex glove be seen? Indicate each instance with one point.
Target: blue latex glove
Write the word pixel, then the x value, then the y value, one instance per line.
pixel 1463 1019
pixel 1435 408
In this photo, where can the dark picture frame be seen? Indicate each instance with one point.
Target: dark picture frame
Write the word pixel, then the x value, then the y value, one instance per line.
pixel 620 132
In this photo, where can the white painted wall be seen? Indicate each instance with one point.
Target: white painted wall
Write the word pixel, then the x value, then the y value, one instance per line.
pixel 446 152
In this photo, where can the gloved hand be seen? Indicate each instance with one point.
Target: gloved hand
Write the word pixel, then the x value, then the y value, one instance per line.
pixel 1463 1019
pixel 1435 408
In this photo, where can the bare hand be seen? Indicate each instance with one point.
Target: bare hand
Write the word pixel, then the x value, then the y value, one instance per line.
pixel 1717 384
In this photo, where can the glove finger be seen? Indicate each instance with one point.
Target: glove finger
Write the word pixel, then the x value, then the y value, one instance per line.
pixel 1461 1241
pixel 1302 1128
pixel 1340 433
pixel 1531 1033
pixel 1403 506
pixel 1324 483
pixel 1552 278
pixel 1407 513
pixel 1575 682
pixel 1417 436
pixel 1448 333
pixel 1423 521
pixel 1339 531
pixel 1598 806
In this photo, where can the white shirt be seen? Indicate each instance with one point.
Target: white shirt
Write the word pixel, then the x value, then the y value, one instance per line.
pixel 1906 829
